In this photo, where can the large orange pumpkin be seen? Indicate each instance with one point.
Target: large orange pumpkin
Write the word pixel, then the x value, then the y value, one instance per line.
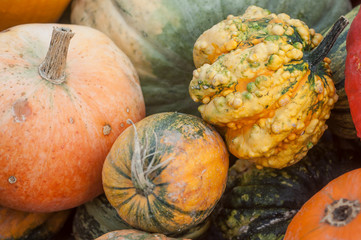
pixel 332 213
pixel 56 129
pixel 15 12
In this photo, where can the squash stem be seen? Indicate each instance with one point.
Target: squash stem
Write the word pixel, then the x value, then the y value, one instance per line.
pixel 53 66
pixel 139 179
pixel 317 55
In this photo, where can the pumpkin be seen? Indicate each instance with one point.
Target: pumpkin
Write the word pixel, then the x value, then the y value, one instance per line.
pixel 60 116
pixel 16 12
pixel 158 36
pixel 340 122
pixel 133 234
pixel 98 217
pixel 352 71
pixel 332 213
pixel 258 80
pixel 260 203
pixel 95 218
pixel 158 171
pixel 18 225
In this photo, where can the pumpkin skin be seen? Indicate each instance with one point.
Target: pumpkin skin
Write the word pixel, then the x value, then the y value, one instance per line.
pixel 132 234
pixel 98 217
pixel 16 12
pixel 190 160
pixel 95 218
pixel 352 71
pixel 340 122
pixel 317 220
pixel 260 203
pixel 18 225
pixel 56 135
pixel 258 80
pixel 158 36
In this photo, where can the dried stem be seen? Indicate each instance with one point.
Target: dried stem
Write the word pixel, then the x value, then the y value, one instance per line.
pixel 141 172
pixel 53 66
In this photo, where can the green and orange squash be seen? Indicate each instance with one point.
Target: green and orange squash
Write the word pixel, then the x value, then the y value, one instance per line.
pixel 98 217
pixel 159 171
pixel 158 36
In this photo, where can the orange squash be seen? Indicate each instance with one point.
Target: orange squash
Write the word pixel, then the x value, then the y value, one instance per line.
pixel 332 213
pixel 24 225
pixel 60 116
pixel 15 12
pixel 167 173
pixel 133 234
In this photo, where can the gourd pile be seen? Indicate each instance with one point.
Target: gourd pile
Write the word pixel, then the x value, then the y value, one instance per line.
pixel 180 120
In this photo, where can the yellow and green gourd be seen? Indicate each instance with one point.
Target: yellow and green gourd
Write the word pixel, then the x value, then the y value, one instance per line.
pixel 158 36
pixel 262 81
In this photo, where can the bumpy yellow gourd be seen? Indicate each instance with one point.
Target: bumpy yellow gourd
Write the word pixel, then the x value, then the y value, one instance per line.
pixel 257 81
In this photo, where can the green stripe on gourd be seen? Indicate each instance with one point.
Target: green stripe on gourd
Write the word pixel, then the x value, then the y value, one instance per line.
pixel 160 168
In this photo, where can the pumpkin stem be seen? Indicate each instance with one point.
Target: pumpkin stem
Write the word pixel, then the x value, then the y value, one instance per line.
pixel 341 212
pixel 317 55
pixel 140 168
pixel 53 66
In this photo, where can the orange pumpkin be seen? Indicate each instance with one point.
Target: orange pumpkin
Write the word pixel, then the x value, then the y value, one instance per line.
pixel 15 12
pixel 23 225
pixel 59 121
pixel 133 234
pixel 167 173
pixel 332 213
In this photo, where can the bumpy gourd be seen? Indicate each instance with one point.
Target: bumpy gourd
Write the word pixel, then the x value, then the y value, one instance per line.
pixel 258 82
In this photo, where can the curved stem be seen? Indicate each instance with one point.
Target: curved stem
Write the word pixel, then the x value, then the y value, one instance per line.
pixel 53 66
pixel 317 55
pixel 141 183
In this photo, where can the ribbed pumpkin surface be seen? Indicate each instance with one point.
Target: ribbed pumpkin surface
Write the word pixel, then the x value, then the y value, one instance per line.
pixel 184 160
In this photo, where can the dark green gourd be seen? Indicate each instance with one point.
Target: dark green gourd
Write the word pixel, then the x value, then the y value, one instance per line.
pixel 340 121
pixel 260 203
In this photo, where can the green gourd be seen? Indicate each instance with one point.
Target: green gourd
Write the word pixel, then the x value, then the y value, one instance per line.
pixel 158 36
pixel 340 121
pixel 260 203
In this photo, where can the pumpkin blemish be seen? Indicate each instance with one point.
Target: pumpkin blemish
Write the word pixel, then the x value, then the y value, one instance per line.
pixel 21 110
pixel 107 129
pixel 12 179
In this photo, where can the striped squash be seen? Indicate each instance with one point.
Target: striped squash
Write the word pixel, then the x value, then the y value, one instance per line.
pixel 97 217
pixel 158 36
pixel 159 171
